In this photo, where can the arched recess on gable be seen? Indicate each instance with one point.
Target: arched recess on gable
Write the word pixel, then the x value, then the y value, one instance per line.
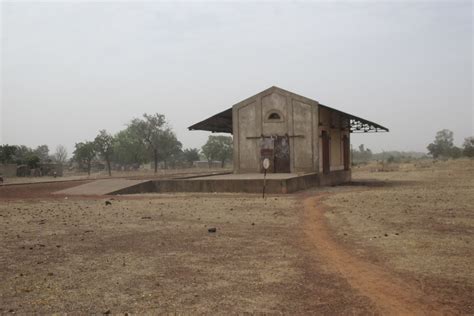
pixel 274 116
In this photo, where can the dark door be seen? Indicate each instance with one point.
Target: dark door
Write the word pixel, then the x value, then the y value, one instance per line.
pixel 282 154
pixel 346 148
pixel 325 139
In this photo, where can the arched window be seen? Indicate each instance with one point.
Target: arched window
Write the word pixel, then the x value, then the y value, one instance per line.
pixel 274 116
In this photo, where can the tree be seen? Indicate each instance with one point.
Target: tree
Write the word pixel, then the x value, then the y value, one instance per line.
pixel 60 156
pixel 191 155
pixel 149 129
pixel 104 144
pixel 42 152
pixel 26 156
pixel 468 147
pixel 85 154
pixel 7 153
pixel 361 155
pixel 218 148
pixel 170 147
pixel 32 161
pixel 443 144
pixel 128 148
pixel 22 153
pixel 455 152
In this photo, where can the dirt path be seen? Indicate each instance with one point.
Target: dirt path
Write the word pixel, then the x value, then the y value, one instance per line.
pixel 392 295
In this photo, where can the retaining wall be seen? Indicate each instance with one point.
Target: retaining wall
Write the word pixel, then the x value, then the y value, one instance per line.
pixel 273 186
pixel 8 170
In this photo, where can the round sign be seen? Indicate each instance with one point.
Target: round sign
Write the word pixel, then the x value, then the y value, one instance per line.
pixel 266 163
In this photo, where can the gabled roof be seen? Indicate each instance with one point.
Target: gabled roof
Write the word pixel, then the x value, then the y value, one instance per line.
pixel 222 122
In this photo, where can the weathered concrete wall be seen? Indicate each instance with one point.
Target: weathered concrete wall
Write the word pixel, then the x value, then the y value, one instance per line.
pixel 298 120
pixel 301 119
pixel 324 125
pixel 331 122
pixel 8 170
pixel 302 148
pixel 143 187
pixel 336 149
pixel 335 177
pixel 274 103
pixel 273 186
pixel 207 185
pixel 247 146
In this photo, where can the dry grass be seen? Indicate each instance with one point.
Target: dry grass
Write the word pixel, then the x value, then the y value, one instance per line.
pixel 419 222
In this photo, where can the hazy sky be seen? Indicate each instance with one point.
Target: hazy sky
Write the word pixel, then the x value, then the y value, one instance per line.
pixel 69 69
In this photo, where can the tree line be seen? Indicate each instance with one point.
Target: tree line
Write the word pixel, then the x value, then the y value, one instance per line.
pixel 144 140
pixel 151 139
pixel 24 155
pixel 441 148
pixel 148 139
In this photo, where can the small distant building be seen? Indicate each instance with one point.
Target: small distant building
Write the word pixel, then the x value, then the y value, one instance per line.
pixel 51 169
pixel 297 134
pixel 44 169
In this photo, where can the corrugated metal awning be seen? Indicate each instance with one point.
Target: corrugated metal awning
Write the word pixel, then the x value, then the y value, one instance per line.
pixel 219 123
pixel 357 124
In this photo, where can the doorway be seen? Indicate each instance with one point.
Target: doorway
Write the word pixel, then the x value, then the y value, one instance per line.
pixel 282 154
pixel 325 148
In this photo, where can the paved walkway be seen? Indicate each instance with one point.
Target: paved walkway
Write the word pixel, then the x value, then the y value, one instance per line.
pixel 100 187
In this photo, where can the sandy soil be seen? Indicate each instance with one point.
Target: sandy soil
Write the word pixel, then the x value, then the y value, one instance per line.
pixel 155 254
pixel 417 223
pixel 395 242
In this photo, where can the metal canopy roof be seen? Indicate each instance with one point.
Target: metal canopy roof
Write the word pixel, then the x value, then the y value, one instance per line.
pixel 219 123
pixel 357 124
pixel 222 122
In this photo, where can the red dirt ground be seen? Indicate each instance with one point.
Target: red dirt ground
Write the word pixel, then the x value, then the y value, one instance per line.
pixel 290 254
pixel 392 295
pixel 35 190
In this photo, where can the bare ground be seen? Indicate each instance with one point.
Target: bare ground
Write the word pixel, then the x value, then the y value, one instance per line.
pixel 310 253
pixel 418 224
pixel 154 254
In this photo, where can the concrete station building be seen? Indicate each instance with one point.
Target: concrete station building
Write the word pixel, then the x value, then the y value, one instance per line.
pixel 297 134
pixel 306 142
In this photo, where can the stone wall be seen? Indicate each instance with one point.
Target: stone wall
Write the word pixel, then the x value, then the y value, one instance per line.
pixel 8 170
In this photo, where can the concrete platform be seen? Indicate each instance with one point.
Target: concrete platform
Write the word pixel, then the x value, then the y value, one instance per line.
pixel 101 187
pixel 251 176
pixel 277 183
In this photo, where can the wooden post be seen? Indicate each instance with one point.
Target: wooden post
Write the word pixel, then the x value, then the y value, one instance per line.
pixel 264 181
